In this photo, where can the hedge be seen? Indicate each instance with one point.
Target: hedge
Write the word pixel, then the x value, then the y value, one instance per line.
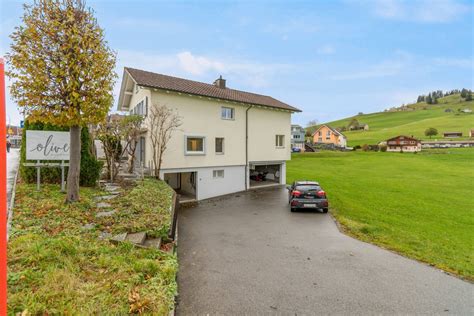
pixel 90 166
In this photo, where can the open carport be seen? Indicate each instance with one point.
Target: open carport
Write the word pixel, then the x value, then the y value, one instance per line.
pixel 248 254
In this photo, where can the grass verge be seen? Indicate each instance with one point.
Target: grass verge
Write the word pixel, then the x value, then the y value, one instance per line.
pixel 419 205
pixel 55 266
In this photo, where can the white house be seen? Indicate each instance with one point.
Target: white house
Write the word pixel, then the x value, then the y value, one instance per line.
pixel 229 140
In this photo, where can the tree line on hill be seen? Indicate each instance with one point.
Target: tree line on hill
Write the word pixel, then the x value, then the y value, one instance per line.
pixel 432 97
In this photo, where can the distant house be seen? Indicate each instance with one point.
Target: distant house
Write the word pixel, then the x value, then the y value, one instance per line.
pixel 471 133
pixel 466 110
pixel 452 134
pixel 359 126
pixel 325 134
pixel 403 144
pixel 448 110
pixel 297 137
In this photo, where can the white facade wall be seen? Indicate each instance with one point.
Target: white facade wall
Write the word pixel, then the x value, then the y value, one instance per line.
pixel 201 116
pixel 263 126
pixel 405 148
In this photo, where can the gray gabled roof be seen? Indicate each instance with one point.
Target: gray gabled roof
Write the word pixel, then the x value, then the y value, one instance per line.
pixel 159 81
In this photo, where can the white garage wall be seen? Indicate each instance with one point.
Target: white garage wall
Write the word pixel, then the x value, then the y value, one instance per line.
pixel 207 186
pixel 233 181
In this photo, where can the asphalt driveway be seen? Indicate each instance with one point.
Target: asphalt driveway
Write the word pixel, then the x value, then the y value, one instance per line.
pixel 248 254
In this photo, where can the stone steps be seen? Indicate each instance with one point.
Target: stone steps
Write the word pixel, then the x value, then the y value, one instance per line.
pixel 137 239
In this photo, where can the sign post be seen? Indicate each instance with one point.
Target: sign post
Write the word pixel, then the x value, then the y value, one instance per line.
pixel 47 145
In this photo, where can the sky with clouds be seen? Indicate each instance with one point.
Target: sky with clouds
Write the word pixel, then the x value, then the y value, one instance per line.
pixel 331 59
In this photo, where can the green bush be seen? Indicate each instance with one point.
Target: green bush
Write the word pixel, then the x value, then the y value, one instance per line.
pixel 383 148
pixel 90 166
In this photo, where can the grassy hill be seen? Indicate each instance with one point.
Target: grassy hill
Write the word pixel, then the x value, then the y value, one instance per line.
pixel 384 125
pixel 419 205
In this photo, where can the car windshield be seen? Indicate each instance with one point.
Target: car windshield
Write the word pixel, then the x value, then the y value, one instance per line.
pixel 308 187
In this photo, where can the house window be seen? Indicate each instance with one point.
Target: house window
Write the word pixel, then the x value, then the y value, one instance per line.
pixel 218 174
pixel 227 113
pixel 219 145
pixel 280 140
pixel 195 145
pixel 141 108
pixel 297 136
pixel 328 135
pixel 320 133
pixel 320 139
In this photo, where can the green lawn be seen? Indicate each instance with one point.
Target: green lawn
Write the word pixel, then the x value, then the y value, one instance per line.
pixel 384 125
pixel 421 205
pixel 56 267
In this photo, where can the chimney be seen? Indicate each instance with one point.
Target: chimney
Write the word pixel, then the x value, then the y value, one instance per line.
pixel 220 83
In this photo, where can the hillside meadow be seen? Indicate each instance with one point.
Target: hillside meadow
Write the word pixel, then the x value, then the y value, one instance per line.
pixel 420 205
pixel 384 125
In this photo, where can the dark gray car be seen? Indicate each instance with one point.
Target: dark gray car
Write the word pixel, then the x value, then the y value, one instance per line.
pixel 307 194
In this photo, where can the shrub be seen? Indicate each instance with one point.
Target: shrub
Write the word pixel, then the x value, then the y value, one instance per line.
pixel 356 147
pixel 383 148
pixel 365 147
pixel 90 166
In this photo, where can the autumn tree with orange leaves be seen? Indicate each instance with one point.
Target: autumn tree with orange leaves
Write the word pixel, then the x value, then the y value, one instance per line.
pixel 62 71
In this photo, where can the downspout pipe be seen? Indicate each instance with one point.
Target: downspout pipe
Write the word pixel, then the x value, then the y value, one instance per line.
pixel 247 180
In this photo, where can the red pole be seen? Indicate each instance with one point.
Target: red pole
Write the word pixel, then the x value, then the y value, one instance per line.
pixel 3 194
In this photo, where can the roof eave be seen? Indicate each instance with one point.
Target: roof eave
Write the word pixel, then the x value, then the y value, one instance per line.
pixel 121 105
pixel 293 109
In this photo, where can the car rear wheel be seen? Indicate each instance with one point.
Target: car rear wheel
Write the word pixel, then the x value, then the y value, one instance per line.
pixel 293 209
pixel 325 210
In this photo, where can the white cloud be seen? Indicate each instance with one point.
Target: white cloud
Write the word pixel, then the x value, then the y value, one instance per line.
pixel 197 65
pixel 326 50
pixel 428 11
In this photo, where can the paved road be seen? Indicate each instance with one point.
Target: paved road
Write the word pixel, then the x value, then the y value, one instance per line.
pixel 248 254
pixel 13 160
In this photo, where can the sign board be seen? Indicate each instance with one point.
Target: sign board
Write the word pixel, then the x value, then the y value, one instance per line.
pixel 47 145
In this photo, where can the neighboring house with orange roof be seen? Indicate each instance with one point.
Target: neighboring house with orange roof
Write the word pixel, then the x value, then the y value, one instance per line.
pixel 325 134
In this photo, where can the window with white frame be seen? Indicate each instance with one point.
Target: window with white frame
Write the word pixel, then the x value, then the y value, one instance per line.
pixel 219 145
pixel 280 140
pixel 195 145
pixel 227 113
pixel 328 135
pixel 218 174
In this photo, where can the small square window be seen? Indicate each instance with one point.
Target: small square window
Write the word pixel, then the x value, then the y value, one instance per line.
pixel 218 174
pixel 195 144
pixel 227 113
pixel 219 145
pixel 280 140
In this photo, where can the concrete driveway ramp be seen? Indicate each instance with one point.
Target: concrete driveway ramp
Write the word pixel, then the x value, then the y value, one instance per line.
pixel 248 254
